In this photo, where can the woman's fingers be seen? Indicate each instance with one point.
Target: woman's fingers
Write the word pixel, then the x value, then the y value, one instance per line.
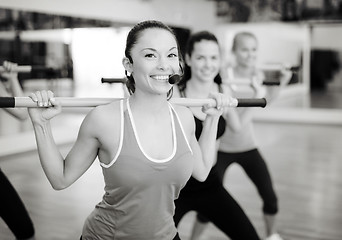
pixel 48 106
pixel 39 98
pixel 43 98
pixel 223 100
pixel 217 108
pixel 9 66
pixel 218 98
pixel 33 97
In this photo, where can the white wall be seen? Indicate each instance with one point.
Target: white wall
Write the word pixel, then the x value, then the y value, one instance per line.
pixel 189 13
pixel 326 36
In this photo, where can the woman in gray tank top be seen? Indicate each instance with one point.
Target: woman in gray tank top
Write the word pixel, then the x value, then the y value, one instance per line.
pixel 146 146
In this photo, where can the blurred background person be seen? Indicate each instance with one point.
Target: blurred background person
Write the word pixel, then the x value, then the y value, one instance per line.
pixel 12 208
pixel 209 199
pixel 239 146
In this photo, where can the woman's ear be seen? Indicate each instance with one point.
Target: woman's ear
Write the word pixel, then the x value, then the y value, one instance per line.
pixel 127 64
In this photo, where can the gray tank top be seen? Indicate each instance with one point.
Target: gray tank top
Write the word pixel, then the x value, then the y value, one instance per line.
pixel 139 191
pixel 243 140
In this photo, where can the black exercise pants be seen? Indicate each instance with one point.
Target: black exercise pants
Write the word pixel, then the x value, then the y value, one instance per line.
pixel 219 207
pixel 13 211
pixel 256 169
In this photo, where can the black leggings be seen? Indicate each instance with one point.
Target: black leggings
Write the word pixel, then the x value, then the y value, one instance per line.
pixel 13 211
pixel 177 237
pixel 256 169
pixel 212 201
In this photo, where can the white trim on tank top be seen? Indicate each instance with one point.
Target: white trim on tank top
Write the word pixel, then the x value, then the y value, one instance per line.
pixel 181 126
pixel 121 138
pixel 139 143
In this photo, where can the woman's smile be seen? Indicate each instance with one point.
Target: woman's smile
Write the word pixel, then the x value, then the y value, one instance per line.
pixel 162 78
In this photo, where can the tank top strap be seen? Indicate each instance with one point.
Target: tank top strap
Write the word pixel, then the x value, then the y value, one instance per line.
pixel 180 125
pixel 122 125
pixel 220 89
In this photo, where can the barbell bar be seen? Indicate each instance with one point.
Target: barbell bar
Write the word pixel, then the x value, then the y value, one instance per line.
pixel 28 69
pixel 22 102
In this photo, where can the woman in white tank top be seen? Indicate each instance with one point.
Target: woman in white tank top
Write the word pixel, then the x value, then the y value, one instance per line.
pixel 239 146
pixel 141 174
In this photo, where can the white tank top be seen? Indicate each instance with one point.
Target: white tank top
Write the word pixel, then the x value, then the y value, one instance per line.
pixel 139 191
pixel 243 140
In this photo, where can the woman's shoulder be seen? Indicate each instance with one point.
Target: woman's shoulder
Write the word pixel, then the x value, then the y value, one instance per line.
pixel 103 116
pixel 110 109
pixel 181 110
pixel 226 89
pixel 185 115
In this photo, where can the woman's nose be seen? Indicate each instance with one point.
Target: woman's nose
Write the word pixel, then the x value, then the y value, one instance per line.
pixel 163 63
pixel 208 63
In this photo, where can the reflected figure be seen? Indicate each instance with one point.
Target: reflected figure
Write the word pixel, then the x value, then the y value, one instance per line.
pixel 240 146
pixel 12 208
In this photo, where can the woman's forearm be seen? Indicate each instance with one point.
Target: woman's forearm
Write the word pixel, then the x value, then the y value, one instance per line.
pixel 232 119
pixel 207 143
pixel 15 87
pixel 50 157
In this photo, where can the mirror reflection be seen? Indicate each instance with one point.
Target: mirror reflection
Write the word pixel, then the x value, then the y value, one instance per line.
pixel 69 55
pixel 76 53
pixel 299 133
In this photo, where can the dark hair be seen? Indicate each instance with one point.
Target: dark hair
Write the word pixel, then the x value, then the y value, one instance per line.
pixel 195 38
pixel 239 35
pixel 132 39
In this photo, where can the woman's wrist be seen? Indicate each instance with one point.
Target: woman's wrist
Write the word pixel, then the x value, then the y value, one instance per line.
pixel 211 119
pixel 39 123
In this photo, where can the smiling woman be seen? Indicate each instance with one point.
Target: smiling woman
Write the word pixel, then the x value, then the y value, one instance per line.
pixel 158 64
pixel 143 135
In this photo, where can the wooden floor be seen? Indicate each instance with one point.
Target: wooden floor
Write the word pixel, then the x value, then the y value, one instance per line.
pixel 305 163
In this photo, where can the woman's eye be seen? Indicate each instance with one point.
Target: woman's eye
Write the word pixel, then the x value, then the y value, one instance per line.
pixel 173 55
pixel 149 55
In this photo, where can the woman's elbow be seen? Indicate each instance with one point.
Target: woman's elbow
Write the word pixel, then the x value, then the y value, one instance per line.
pixel 22 117
pixel 58 186
pixel 201 177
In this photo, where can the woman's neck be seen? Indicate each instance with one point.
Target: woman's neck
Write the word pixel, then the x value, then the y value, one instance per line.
pixel 244 71
pixel 198 89
pixel 148 104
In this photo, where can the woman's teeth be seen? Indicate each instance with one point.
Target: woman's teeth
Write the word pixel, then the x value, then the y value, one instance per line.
pixel 161 78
